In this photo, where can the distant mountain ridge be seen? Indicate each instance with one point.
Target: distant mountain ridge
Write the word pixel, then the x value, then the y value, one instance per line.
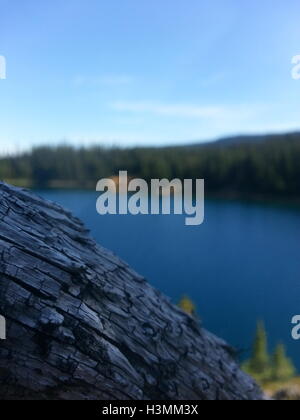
pixel 246 139
pixel 257 138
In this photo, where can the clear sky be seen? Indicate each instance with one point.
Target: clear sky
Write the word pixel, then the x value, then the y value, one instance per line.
pixel 146 72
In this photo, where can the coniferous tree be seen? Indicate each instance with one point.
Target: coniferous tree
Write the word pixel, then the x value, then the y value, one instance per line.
pixel 265 368
pixel 260 358
pixel 282 367
pixel 259 364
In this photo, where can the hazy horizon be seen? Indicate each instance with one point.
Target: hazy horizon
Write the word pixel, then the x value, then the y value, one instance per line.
pixel 69 143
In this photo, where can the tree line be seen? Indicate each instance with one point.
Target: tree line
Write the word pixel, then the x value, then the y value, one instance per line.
pixel 260 166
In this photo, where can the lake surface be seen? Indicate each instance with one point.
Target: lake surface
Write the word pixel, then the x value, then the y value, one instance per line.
pixel 240 266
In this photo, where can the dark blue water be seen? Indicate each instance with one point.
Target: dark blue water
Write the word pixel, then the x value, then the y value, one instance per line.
pixel 240 266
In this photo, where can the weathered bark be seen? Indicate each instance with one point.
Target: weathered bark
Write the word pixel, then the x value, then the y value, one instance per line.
pixel 83 325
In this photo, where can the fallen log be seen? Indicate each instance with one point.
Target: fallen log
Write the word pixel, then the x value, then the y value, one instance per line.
pixel 81 324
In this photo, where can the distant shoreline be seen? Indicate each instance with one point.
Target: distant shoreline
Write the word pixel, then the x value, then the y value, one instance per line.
pixel 216 195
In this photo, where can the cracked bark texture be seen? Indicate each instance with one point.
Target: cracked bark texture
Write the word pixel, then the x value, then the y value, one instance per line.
pixel 81 324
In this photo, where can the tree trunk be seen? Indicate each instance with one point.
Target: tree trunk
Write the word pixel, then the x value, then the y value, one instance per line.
pixel 81 324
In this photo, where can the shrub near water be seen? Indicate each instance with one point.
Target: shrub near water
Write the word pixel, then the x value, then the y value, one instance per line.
pixel 265 368
pixel 187 305
pixel 282 367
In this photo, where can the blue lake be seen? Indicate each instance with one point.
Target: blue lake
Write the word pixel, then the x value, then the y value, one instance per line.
pixel 240 266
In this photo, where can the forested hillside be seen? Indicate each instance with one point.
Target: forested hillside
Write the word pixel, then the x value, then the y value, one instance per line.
pixel 268 165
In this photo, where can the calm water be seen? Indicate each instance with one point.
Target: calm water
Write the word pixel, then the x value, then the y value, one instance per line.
pixel 241 265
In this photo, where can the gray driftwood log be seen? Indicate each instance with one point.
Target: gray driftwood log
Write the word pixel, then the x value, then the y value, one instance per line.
pixel 81 324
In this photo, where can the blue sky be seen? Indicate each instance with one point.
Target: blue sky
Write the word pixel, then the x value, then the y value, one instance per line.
pixel 146 72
